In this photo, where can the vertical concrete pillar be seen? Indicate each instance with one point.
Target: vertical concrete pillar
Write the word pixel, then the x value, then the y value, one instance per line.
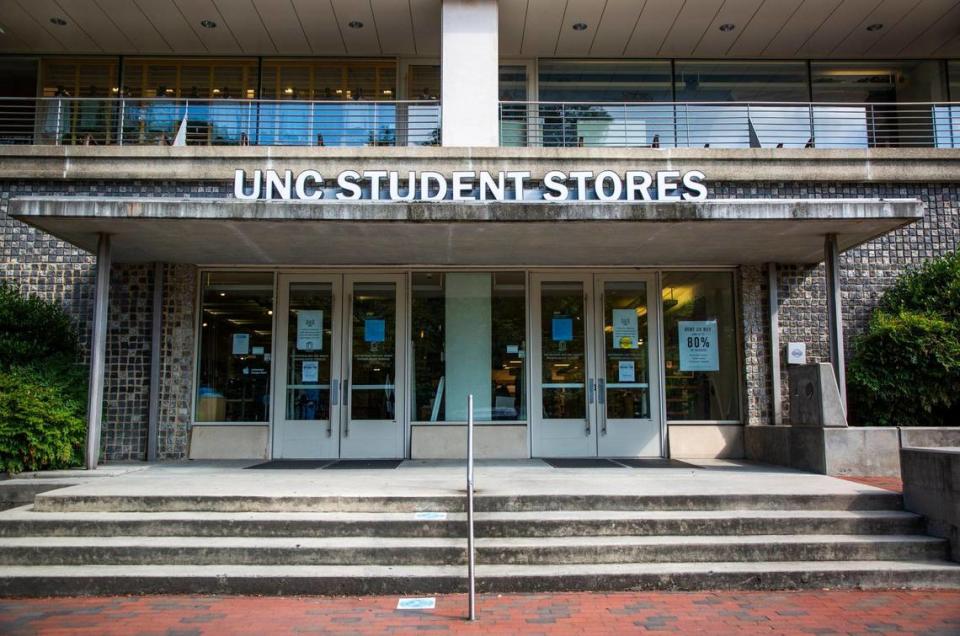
pixel 831 257
pixel 153 421
pixel 98 352
pixel 470 74
pixel 773 298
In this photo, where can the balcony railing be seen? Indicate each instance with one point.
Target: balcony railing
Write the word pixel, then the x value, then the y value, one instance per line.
pixel 218 122
pixel 730 125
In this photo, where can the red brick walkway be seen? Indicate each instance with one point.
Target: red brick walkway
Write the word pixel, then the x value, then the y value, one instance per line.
pixel 887 483
pixel 845 612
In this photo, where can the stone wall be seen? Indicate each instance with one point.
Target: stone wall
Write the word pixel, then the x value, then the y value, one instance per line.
pixel 43 265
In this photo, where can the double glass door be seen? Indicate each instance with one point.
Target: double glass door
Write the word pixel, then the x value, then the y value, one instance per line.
pixel 339 375
pixel 595 385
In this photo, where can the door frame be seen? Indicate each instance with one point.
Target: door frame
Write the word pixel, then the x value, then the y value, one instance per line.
pixel 592 279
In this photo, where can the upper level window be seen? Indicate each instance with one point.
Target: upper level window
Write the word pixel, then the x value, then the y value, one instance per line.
pixel 741 81
pixel 190 78
pixel 604 81
pixel 330 79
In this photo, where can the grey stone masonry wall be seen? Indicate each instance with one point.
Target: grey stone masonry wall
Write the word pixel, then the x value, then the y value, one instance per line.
pixel 43 265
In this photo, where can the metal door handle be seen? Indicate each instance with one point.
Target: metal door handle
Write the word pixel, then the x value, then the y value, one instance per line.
pixel 602 402
pixel 590 385
pixel 334 398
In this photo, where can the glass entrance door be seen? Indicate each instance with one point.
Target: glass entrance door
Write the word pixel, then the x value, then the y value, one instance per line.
pixel 593 357
pixel 339 372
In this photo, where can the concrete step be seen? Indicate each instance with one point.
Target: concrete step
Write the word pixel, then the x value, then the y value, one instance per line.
pixel 20 492
pixel 27 522
pixel 440 551
pixel 356 580
pixel 67 502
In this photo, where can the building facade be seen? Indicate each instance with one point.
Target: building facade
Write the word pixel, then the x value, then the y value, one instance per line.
pixel 321 234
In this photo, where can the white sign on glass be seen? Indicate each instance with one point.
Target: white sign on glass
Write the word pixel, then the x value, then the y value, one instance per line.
pixel 310 371
pixel 626 334
pixel 626 371
pixel 310 330
pixel 698 345
pixel 241 344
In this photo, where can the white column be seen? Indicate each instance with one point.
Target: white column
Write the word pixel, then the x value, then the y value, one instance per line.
pixel 470 73
pixel 98 352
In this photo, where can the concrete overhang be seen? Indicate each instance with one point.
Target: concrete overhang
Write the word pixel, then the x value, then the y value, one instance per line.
pixel 231 232
pixel 218 163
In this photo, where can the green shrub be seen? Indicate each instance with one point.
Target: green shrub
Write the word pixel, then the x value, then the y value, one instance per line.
pixel 32 328
pixel 42 423
pixel 42 385
pixel 905 369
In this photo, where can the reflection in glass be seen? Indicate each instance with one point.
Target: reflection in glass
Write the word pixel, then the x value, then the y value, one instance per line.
pixel 468 337
pixel 308 351
pixel 626 353
pixel 563 363
pixel 236 328
pixel 373 368
pixel 700 297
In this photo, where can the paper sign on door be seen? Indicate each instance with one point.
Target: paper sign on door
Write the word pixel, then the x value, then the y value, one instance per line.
pixel 374 330
pixel 626 371
pixel 562 329
pixel 310 371
pixel 241 344
pixel 626 334
pixel 310 330
pixel 698 345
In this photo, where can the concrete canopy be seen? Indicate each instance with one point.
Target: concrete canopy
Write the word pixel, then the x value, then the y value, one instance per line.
pixel 231 232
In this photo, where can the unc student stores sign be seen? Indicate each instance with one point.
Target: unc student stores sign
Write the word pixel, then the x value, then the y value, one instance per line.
pixel 470 185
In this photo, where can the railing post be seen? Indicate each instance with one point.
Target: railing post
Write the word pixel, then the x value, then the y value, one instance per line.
pixel 123 103
pixel 56 132
pixel 471 558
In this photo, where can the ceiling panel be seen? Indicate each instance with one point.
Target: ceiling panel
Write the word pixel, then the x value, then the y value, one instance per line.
pixel 544 18
pixel 300 27
pixel 167 19
pixel 689 27
pixel 73 37
pixel 394 26
pixel 426 26
pixel 859 40
pixel 363 41
pixel 10 43
pixel 128 17
pixel 838 26
pixel 801 25
pixel 940 32
pixel 218 40
pixel 652 27
pixel 715 43
pixel 616 25
pixel 950 49
pixel 20 24
pixel 754 37
pixel 512 15
pixel 893 39
pixel 573 43
pixel 95 23
pixel 244 22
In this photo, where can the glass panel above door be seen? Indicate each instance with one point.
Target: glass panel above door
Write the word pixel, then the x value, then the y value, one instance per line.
pixel 563 350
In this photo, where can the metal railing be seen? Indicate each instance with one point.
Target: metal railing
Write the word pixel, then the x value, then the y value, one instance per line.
pixel 217 122
pixel 471 552
pixel 730 124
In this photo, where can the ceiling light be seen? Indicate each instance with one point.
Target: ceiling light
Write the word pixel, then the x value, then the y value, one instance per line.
pixel 58 21
pixel 579 26
pixel 355 24
pixel 208 24
pixel 874 27
pixel 3 31
pixel 727 28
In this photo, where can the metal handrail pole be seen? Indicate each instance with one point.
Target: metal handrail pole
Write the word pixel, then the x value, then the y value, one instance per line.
pixel 471 557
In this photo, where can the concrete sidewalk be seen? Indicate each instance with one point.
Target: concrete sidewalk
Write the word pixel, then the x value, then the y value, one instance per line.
pixel 447 478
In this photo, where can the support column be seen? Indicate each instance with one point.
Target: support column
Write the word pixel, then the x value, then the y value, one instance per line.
pixel 773 297
pixel 470 73
pixel 155 343
pixel 98 352
pixel 831 254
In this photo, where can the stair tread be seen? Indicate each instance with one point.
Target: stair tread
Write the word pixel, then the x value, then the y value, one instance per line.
pixel 340 542
pixel 27 513
pixel 546 570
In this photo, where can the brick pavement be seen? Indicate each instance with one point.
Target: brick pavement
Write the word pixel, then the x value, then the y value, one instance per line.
pixel 793 613
pixel 887 483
